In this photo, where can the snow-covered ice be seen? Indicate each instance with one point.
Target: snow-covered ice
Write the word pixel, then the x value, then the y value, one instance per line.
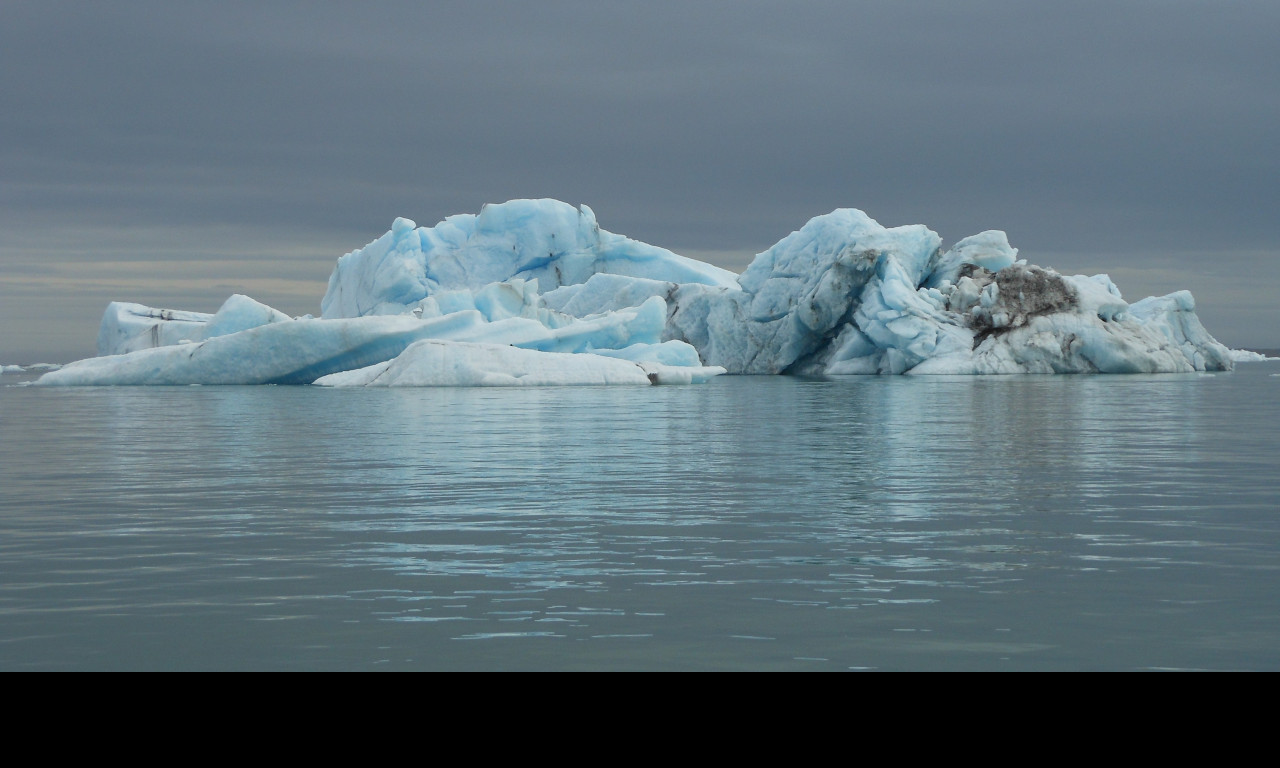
pixel 535 292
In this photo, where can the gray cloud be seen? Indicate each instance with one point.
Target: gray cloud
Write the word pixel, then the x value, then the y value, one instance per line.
pixel 1145 131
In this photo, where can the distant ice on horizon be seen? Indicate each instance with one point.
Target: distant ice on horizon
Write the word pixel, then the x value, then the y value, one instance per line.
pixel 32 368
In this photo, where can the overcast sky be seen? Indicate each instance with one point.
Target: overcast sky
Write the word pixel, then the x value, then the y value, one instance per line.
pixel 172 153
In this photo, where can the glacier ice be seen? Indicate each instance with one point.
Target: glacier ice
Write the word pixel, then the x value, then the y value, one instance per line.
pixel 534 292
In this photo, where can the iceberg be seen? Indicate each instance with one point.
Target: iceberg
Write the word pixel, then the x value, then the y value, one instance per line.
pixel 535 293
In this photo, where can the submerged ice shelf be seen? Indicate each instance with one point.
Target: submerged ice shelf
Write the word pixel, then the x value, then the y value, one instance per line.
pixel 534 292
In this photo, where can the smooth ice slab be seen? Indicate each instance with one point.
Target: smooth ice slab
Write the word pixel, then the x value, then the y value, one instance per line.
pixel 1249 356
pixel 296 352
pixel 435 363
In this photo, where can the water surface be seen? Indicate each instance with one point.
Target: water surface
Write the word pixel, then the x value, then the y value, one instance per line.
pixel 758 523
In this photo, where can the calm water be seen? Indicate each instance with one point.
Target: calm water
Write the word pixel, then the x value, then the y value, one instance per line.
pixel 755 523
